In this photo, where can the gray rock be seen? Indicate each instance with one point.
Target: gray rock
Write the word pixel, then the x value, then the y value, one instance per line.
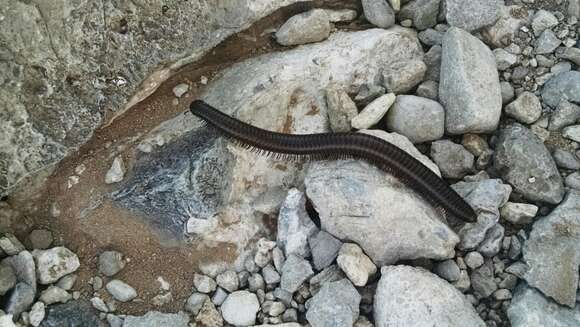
pixel 195 302
pixel 110 263
pixel 574 8
pixel 355 264
pixel 429 90
pixel 10 245
pixel 524 162
pixel 324 248
pixel 565 159
pixel 21 298
pixel 367 93
pixel 554 237
pixel 294 225
pixel 504 59
pixel 204 284
pixel 341 110
pixel 403 76
pixel 474 260
pixel 502 295
pixel 423 13
pixel 228 280
pixel 469 88
pixel 572 133
pixel 419 119
pixel 360 203
pixel 307 27
pixel 121 291
pixel 40 239
pixel 430 301
pixel 472 15
pixel 373 112
pixel 565 114
pixel 511 19
pixel 507 92
pixel 256 282
pixel 452 158
pixel 271 276
pixel 573 180
pixel 484 196
pixel 519 213
pixel 54 294
pixel 448 270
pixel 430 37
pixel 571 54
pixel 54 263
pixel 547 43
pixel 7 278
pixel 99 304
pixel 378 13
pixel 278 257
pixel 433 61
pixel 530 308
pixel 563 86
pixel 114 321
pixel 329 274
pixel 296 271
pixel 24 292
pixel 492 242
pixel 525 109
pixel 240 308
pixel 543 20
pixel 341 15
pixel 157 319
pixel 482 280
pixel 335 305
pixel 209 315
pixel 78 313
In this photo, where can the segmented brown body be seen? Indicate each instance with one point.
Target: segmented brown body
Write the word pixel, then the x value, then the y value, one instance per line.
pixel 328 146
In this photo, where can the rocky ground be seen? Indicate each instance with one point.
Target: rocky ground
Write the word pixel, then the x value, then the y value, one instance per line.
pixel 157 221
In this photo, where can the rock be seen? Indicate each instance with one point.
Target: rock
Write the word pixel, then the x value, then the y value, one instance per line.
pixel 257 92
pixel 504 59
pixel 474 260
pixel 37 313
pixel 355 264
pixel 240 308
pixel 524 162
pixel 157 319
pixel 543 20
pixel 114 321
pixel 110 263
pixel 256 282
pixel 519 213
pixel 278 257
pixel 563 86
pixel 507 92
pixel 264 252
pixel 10 244
pixel 530 308
pixel 195 302
pixel 525 109
pixel 228 280
pixel 117 171
pixel 335 305
pixel 121 291
pixel 99 304
pixel 502 295
pixel 448 270
pixel 573 180
pixel 324 249
pixel 403 76
pixel 423 13
pixel 475 144
pixel 469 88
pixel 296 271
pixel 54 294
pixel 430 301
pixel 180 89
pixel 7 278
pixel 294 225
pixel 341 110
pixel 429 90
pixel 566 114
pixel 329 274
pixel 40 239
pixel 360 203
pixel 378 13
pixel 22 296
pixel 73 313
pixel 367 93
pixel 20 300
pixel 209 316
pixel 307 27
pixel 419 119
pixel 55 263
pixel 565 159
pixel 430 37
pixel 373 112
pixel 472 15
pixel 512 18
pixel 572 133
pixel 482 280
pixel 570 54
pixel 341 15
pixel 271 276
pixel 204 284
pixel 433 61
pixel 463 284
pixel 492 243
pixel 547 42
pixel 6 321
pixel 453 159
pixel 553 238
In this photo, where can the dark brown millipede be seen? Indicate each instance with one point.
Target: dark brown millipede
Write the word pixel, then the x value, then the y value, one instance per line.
pixel 329 146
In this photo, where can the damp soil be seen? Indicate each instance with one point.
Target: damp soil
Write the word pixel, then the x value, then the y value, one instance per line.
pixel 89 223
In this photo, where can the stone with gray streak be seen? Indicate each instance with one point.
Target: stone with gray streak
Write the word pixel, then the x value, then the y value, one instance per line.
pixel 419 119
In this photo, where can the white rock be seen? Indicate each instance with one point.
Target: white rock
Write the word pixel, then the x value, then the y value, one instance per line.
pixel 180 89
pixel 519 213
pixel 294 225
pixel 99 304
pixel 228 280
pixel 6 321
pixel 204 284
pixel 36 314
pixel 121 291
pixel 52 264
pixel 307 27
pixel 116 173
pixel 373 112
pixel 10 244
pixel 355 264
pixel 240 308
